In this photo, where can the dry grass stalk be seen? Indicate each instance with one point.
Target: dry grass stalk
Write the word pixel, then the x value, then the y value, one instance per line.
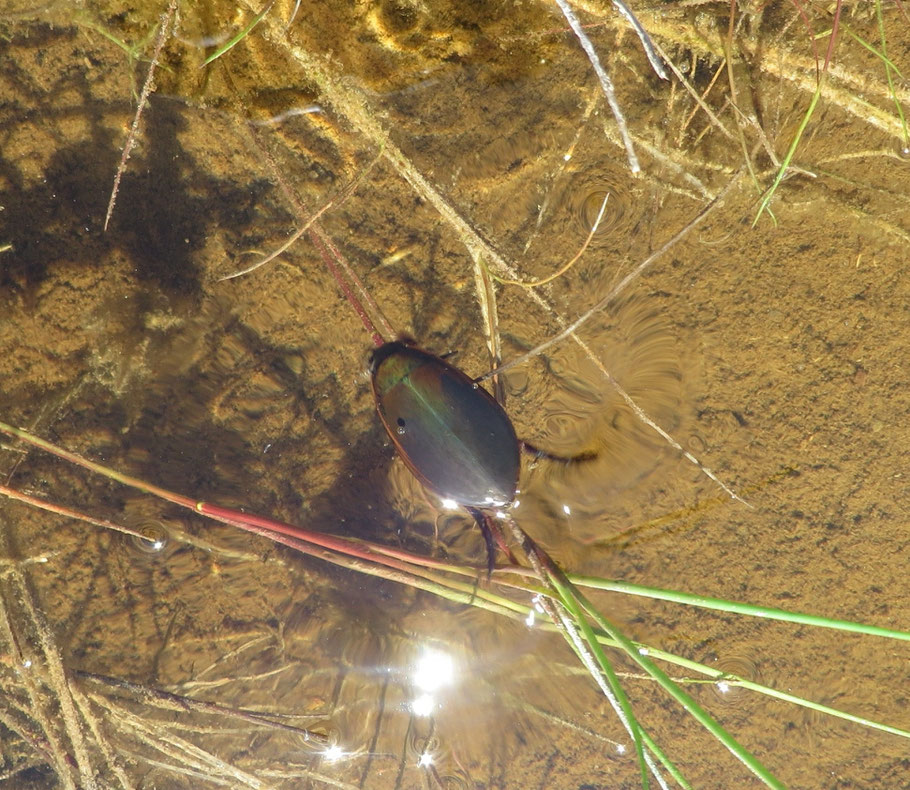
pixel 189 759
pixel 349 102
pixel 166 700
pixel 147 88
pixel 606 83
pixel 43 679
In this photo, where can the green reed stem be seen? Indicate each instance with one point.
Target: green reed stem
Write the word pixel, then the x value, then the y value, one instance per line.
pixel 574 608
pixel 429 575
pixel 666 761
pixel 723 605
pixel 641 657
pixel 735 680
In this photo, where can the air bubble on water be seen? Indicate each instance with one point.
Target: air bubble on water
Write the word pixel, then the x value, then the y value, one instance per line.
pixel 153 538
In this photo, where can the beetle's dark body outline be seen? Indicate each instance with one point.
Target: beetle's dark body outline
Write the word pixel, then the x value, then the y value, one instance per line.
pixel 452 434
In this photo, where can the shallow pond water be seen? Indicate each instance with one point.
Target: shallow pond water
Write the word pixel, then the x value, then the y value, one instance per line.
pixel 435 134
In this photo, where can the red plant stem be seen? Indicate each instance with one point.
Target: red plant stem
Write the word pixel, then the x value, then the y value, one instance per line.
pixel 832 40
pixel 288 534
pixel 320 244
pixel 324 245
pixel 411 572
pixel 60 510
pixel 352 276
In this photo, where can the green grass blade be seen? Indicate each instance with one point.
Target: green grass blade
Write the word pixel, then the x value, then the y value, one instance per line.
pixel 785 164
pixel 688 703
pixel 817 706
pixel 132 52
pixel 573 606
pixel 735 607
pixel 665 761
pixel 716 675
pixel 888 69
pixel 239 37
pixel 863 43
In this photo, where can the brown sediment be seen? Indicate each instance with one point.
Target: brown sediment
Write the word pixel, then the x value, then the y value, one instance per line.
pixel 773 355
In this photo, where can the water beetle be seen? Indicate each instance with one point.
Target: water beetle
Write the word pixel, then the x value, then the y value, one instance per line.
pixel 450 432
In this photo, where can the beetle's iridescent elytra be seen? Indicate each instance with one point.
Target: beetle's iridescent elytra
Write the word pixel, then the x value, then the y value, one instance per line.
pixel 450 432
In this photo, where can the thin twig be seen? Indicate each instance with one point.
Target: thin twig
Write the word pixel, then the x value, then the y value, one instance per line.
pixel 615 291
pixel 338 199
pixel 331 255
pixel 570 263
pixel 147 88
pixel 570 329
pixel 646 44
pixel 605 82
pixel 700 99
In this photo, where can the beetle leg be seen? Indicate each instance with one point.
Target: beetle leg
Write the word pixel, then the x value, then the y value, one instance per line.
pixel 492 536
pixel 485 529
pixel 537 453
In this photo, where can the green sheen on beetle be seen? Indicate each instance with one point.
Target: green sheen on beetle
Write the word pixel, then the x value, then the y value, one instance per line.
pixel 450 432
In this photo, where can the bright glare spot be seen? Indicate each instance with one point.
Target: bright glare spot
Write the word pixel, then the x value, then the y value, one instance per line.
pixel 333 753
pixel 537 604
pixel 516 503
pixel 723 687
pixel 567 510
pixel 42 559
pixel 620 748
pixel 157 545
pixel 27 663
pixel 643 651
pixel 500 514
pixel 426 760
pixel 434 670
pixel 423 705
pixel 529 620
pixel 566 157
pixel 449 504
